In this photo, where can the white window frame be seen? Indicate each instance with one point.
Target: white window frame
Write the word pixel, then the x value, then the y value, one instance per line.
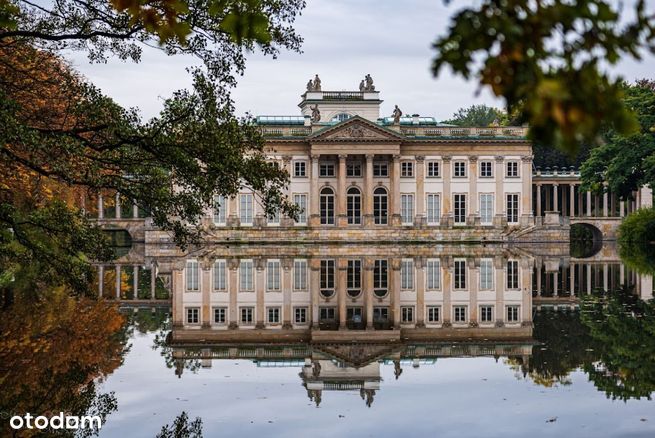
pixel 458 205
pixel 300 315
pixel 275 311
pixel 219 276
pixel 486 274
pixel 512 207
pixel 188 311
pixel 430 314
pixel 486 214
pixel 220 210
pixel 486 169
pixel 224 312
pixel 407 314
pixel 300 165
pixel 431 166
pixel 246 276
pixel 433 274
pixel 460 279
pixel 490 307
pixel 407 274
pixel 407 208
pixel 406 169
pixel 192 276
pixel 512 169
pixel 251 311
pixel 300 200
pixel 456 167
pixel 513 275
pixel 458 309
pixel 433 217
pixel 516 313
pixel 273 276
pixel 300 275
pixel 246 208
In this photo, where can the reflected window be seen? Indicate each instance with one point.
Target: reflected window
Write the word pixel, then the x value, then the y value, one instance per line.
pixel 460 209
pixel 407 314
pixel 380 280
pixel 460 274
pixel 354 277
pixel 220 210
pixel 512 274
pixel 273 315
pixel 407 274
pixel 273 275
pixel 246 207
pixel 193 315
pixel 460 314
pixel 247 315
pixel 300 315
pixel 246 276
pixel 433 274
pixel 407 209
pixel 327 313
pixel 300 275
pixel 220 315
pixel 300 200
pixel 486 314
pixel 327 278
pixel 433 314
pixel 433 208
pixel 486 208
pixel 512 313
pixel 486 274
pixel 192 276
pixel 220 276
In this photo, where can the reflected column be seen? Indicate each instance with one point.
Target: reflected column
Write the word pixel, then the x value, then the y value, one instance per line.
pixel 233 265
pixel 420 291
pixel 395 292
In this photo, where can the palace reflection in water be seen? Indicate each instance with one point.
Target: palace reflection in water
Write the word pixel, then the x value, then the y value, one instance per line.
pixel 339 312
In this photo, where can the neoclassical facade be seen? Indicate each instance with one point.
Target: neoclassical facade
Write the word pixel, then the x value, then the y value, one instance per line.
pixel 352 169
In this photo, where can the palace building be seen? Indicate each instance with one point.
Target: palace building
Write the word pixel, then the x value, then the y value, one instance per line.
pixel 352 169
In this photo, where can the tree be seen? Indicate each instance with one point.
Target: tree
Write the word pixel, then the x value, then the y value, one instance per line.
pixel 181 428
pixel 637 241
pixel 478 116
pixel 545 57
pixel 626 163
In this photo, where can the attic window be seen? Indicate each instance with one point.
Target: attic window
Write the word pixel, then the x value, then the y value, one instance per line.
pixel 341 117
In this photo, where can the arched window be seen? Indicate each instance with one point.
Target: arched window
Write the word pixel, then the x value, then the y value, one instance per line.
pixel 341 117
pixel 327 206
pixel 354 205
pixel 380 201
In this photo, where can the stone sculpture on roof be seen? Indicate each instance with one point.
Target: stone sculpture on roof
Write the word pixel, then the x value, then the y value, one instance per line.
pixel 397 113
pixel 316 114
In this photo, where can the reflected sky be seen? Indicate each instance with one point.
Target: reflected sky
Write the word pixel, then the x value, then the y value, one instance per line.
pixel 453 397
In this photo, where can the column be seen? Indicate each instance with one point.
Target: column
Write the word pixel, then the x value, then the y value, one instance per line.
pixel 287 310
pixel 135 211
pixel 153 280
pixel 605 277
pixel 205 282
pixel 572 279
pixel 605 201
pixel 473 209
pixel 555 282
pixel 420 190
pixel 260 284
pixel 446 204
pixel 538 199
pixel 500 219
pixel 526 197
pixel 118 206
pixel 135 282
pixel 539 266
pixel 474 279
pixel 342 269
pixel 118 282
pixel 572 200
pixel 233 291
pixel 341 192
pixel 232 219
pixel 589 279
pixel 526 294
pixel 555 197
pixel 101 279
pixel 314 213
pixel 420 291
pixel 622 207
pixel 447 286
pixel 395 191
pixel 314 278
pixel 501 265
pixel 368 292
pixel 368 191
pixel 395 292
pixel 101 207
pixel 177 287
pixel 580 209
pixel 588 203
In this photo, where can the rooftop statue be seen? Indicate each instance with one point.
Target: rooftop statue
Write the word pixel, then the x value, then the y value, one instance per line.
pixel 316 114
pixel 369 83
pixel 317 83
pixel 362 86
pixel 397 113
pixel 310 85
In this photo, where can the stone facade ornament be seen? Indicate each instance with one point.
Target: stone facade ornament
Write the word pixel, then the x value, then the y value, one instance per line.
pixel 317 83
pixel 397 114
pixel 310 85
pixel 368 85
pixel 359 132
pixel 316 114
pixel 362 86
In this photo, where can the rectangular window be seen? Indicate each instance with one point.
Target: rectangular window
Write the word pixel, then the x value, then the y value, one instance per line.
pixel 327 313
pixel 354 170
pixel 433 314
pixel 459 169
pixel 273 275
pixel 434 170
pixel 193 315
pixel 247 315
pixel 381 170
pixel 433 274
pixel 512 169
pixel 300 315
pixel 433 208
pixel 300 169
pixel 380 276
pixel 246 206
pixel 460 209
pixel 192 276
pixel 407 274
pixel 407 314
pixel 220 208
pixel 486 274
pixel 486 313
pixel 459 312
pixel 246 276
pixel 327 275
pixel 300 275
pixel 380 314
pixel 354 275
pixel 512 274
pixel 460 274
pixel 300 199
pixel 512 313
pixel 512 208
pixel 326 170
pixel 220 276
pixel 486 208
pixel 486 169
pixel 406 169
pixel 407 209
pixel 220 315
pixel 273 315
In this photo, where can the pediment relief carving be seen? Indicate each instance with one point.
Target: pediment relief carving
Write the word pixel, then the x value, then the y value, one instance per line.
pixel 357 132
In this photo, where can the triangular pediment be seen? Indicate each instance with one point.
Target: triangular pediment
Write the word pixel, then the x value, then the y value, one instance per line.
pixel 357 355
pixel 356 129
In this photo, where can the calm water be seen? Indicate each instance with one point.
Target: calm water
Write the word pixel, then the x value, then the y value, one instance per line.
pixel 580 362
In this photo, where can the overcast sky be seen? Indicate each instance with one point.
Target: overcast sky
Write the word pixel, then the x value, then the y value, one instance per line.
pixel 344 40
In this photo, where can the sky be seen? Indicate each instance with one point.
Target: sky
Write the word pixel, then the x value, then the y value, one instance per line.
pixel 343 41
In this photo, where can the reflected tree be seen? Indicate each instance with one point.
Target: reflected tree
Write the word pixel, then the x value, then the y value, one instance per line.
pixel 182 428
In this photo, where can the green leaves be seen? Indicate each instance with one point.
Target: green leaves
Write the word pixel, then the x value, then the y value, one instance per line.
pixel 543 57
pixel 245 20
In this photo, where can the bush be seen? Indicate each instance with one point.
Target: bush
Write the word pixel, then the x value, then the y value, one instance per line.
pixel 637 240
